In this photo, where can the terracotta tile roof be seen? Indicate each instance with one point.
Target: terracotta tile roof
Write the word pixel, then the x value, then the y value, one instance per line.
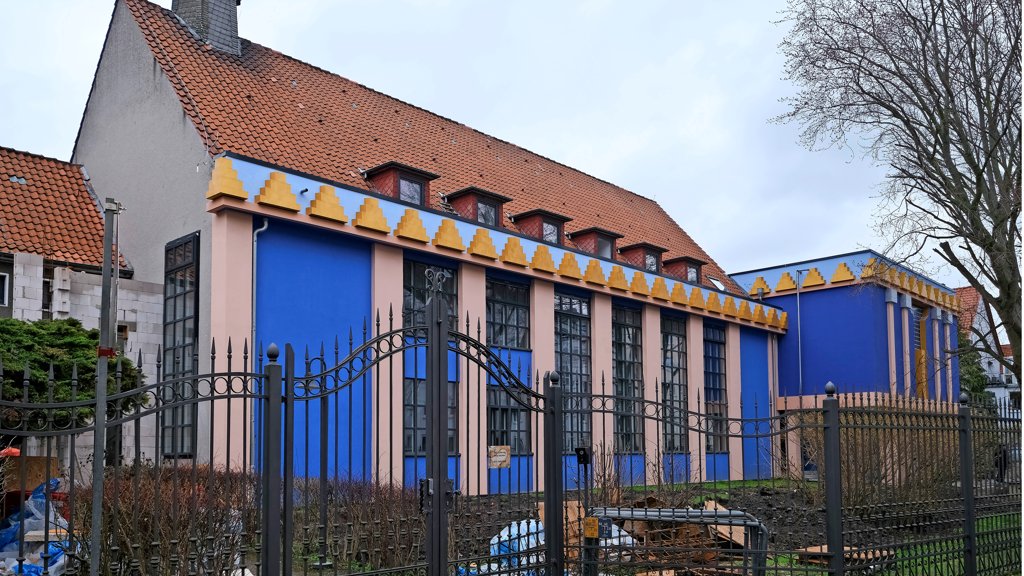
pixel 46 209
pixel 278 110
pixel 1007 350
pixel 968 298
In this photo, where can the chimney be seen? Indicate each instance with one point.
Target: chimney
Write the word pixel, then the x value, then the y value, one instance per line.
pixel 216 21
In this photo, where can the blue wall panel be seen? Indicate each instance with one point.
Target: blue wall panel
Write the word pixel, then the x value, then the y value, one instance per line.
pixel 843 335
pixel 415 469
pixel 575 476
pixel 755 400
pixel 311 287
pixel 518 477
pixel 677 468
pixel 898 343
pixel 717 467
pixel 630 469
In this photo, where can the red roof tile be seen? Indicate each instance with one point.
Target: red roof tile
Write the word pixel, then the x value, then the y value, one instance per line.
pixel 968 298
pixel 46 209
pixel 278 110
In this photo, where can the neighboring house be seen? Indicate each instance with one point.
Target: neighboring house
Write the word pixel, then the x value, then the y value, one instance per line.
pixel 51 254
pixel 978 324
pixel 863 322
pixel 283 203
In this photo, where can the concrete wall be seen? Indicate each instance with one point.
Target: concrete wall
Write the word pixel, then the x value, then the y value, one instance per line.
pixel 27 287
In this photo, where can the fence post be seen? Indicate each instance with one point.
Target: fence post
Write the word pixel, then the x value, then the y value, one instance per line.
pixel 967 488
pixel 98 458
pixel 833 483
pixel 272 467
pixel 554 487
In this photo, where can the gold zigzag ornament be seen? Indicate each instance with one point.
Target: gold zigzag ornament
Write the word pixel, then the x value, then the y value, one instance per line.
pixel 639 284
pixel 696 298
pixel 659 289
pixel 729 307
pixel 481 245
pixel 617 279
pixel 679 294
pixel 410 227
pixel 448 236
pixel 785 283
pixel 224 181
pixel 278 193
pixel 569 268
pixel 842 274
pixel 326 205
pixel 513 253
pixel 713 303
pixel 542 261
pixel 594 274
pixel 371 217
pixel 760 284
pixel 813 279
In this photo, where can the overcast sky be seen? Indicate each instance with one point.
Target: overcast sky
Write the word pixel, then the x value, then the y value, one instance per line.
pixel 670 99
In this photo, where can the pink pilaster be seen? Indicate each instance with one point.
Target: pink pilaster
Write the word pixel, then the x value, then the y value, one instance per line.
pixel 695 395
pixel 907 364
pixel 472 411
pixel 948 361
pixel 387 300
pixel 542 341
pixel 601 366
pixel 651 341
pixel 933 363
pixel 231 286
pixel 890 316
pixel 733 388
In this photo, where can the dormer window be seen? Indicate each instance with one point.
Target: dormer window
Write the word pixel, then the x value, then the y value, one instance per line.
pixel 542 225
pixel 478 204
pixel 596 241
pixel 410 190
pixel 643 255
pixel 401 182
pixel 684 267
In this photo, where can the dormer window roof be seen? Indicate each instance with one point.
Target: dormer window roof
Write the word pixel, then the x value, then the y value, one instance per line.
pixel 401 182
pixel 484 206
pixel 597 241
pixel 541 224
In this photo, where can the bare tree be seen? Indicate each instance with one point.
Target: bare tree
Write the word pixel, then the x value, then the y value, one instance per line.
pixel 932 90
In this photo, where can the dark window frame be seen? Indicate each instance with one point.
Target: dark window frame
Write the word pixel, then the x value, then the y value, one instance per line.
pixel 674 382
pixel 180 353
pixel 573 355
pixel 609 242
pixel 483 202
pixel 507 299
pixel 414 401
pixel 406 177
pixel 5 289
pixel 652 254
pixel 508 422
pixel 414 417
pixel 628 379
pixel 716 400
pixel 558 231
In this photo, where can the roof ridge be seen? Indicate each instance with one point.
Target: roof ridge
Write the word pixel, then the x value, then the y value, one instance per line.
pixel 37 155
pixel 178 22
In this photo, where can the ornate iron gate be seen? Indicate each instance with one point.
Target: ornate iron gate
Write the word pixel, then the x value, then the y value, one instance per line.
pixel 354 496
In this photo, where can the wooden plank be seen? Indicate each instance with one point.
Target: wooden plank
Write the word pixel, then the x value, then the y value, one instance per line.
pixel 56 534
pixel 734 534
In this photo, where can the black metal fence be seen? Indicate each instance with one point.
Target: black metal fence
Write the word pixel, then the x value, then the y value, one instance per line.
pixel 304 466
